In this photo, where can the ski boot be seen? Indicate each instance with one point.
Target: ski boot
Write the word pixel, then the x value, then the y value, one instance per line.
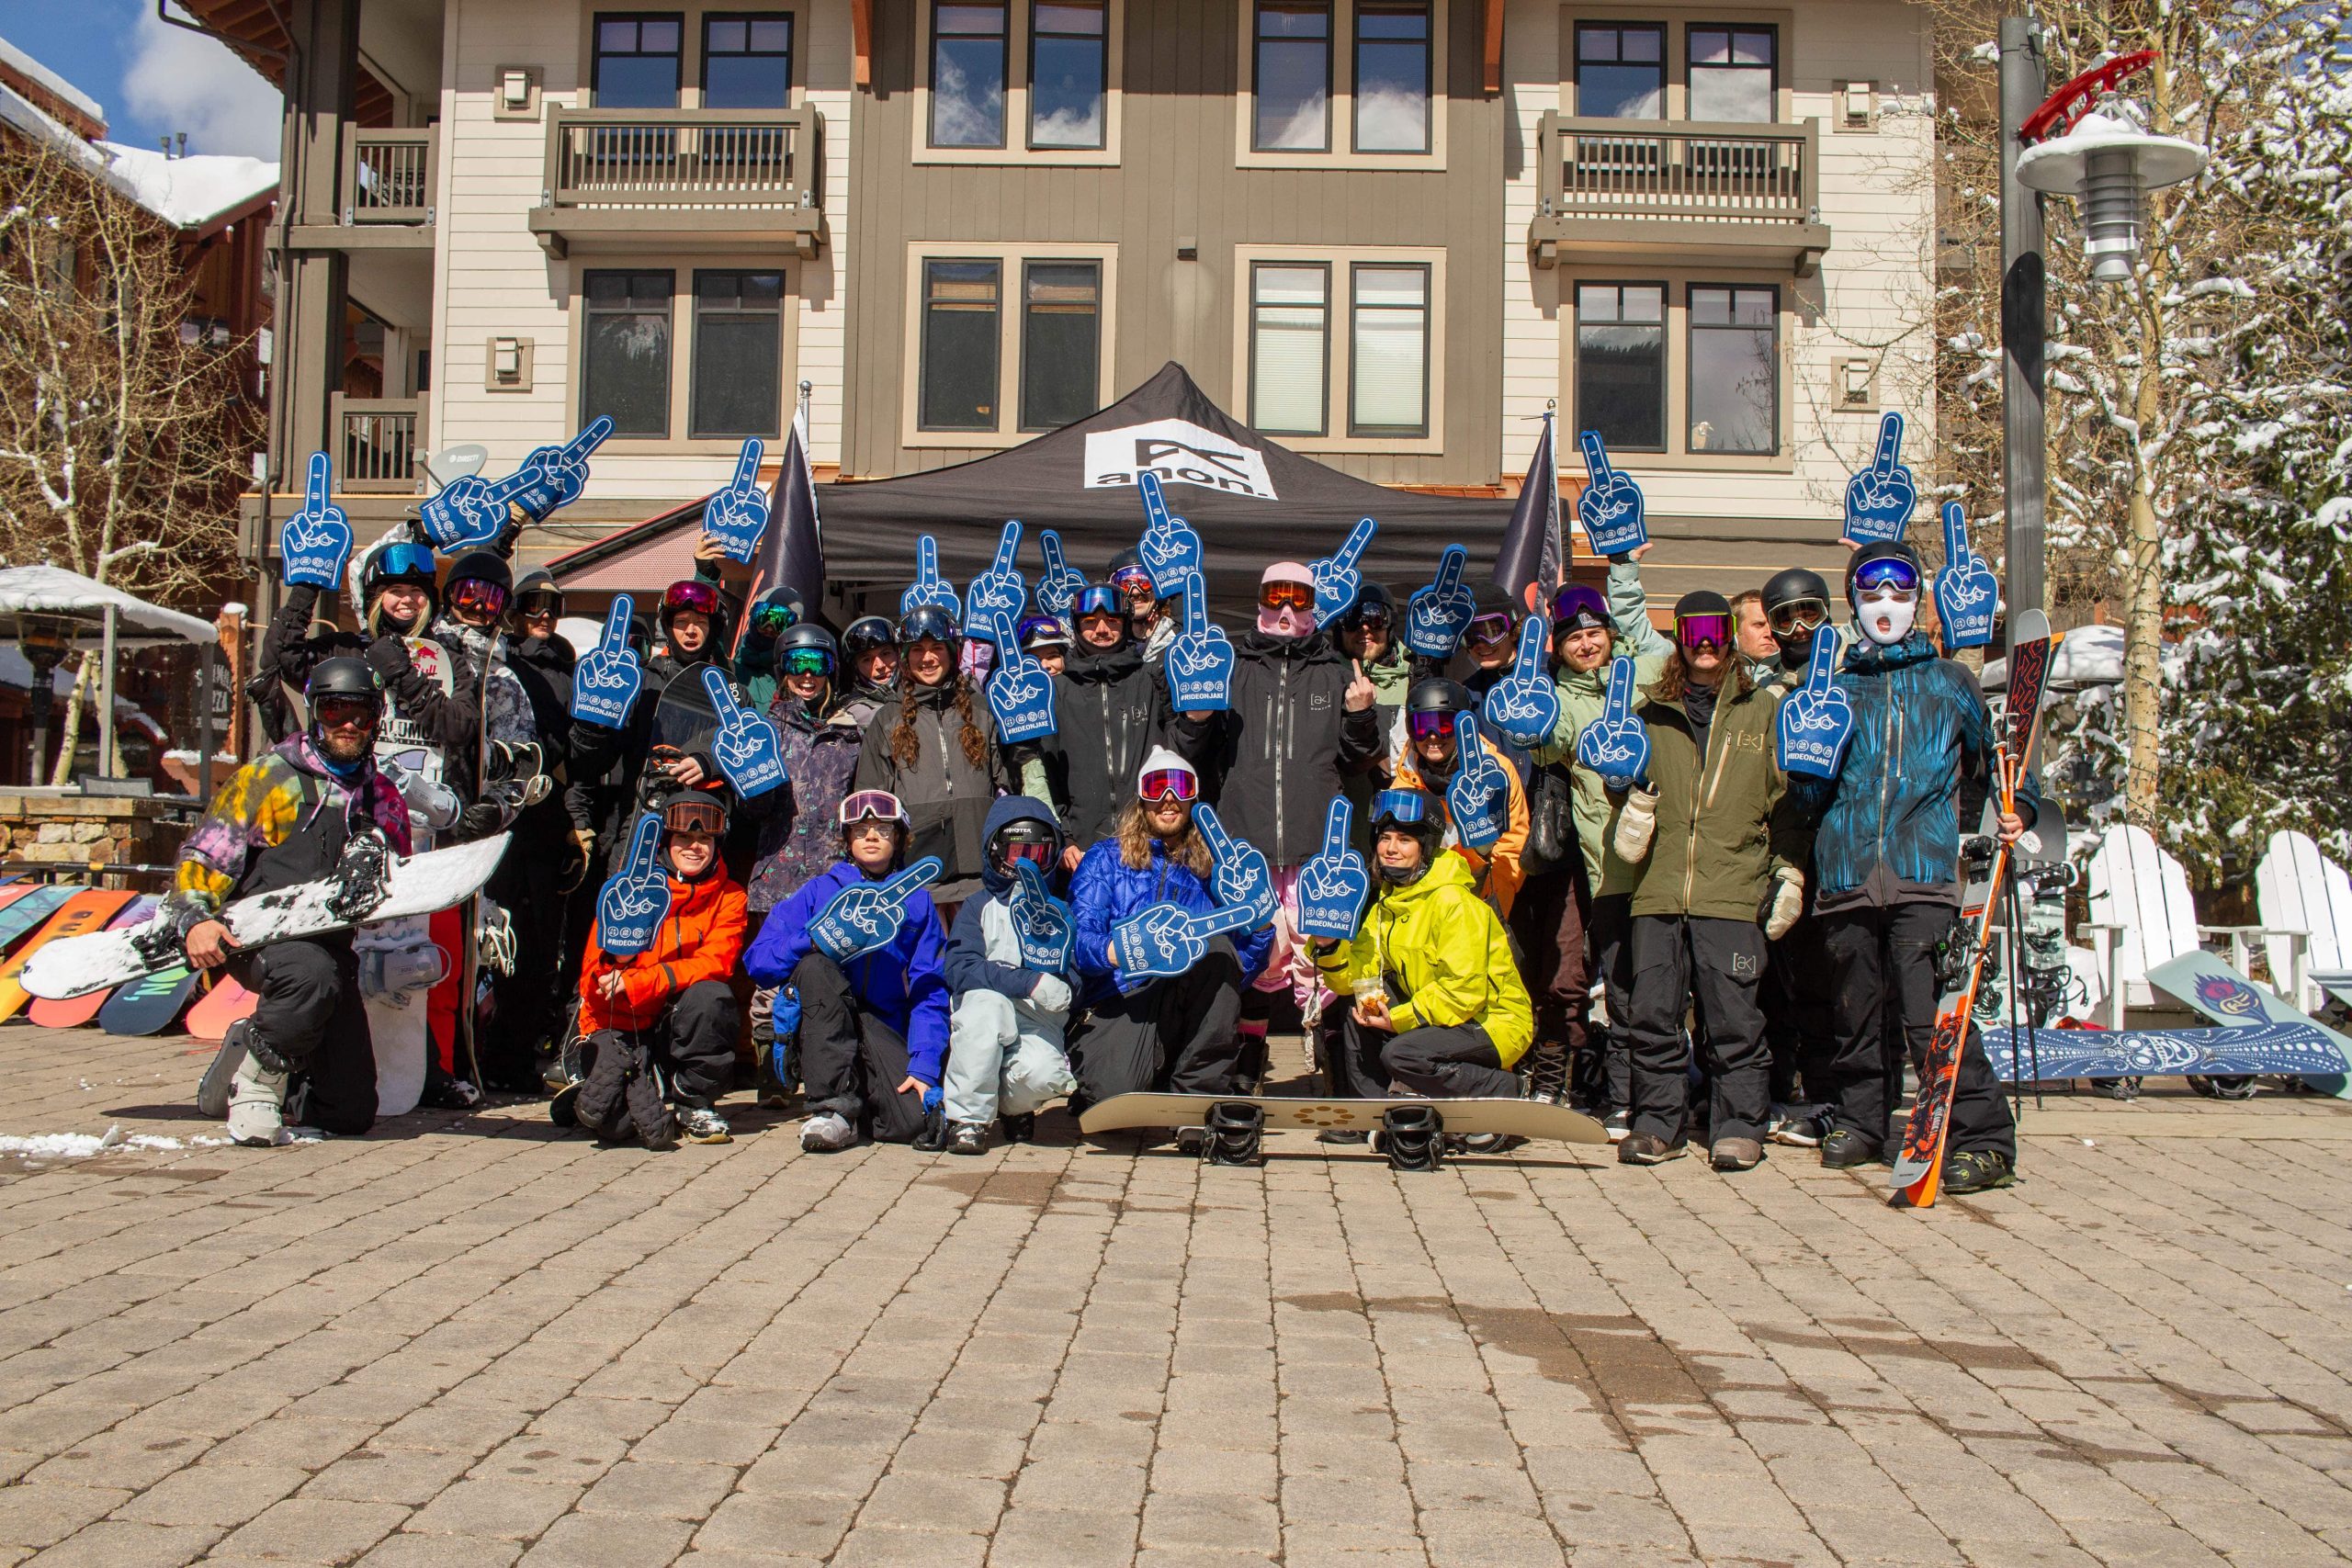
pixel 1234 1129
pixel 1413 1137
pixel 968 1138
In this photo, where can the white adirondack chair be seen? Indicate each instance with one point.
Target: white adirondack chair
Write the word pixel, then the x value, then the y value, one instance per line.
pixel 2141 915
pixel 2306 905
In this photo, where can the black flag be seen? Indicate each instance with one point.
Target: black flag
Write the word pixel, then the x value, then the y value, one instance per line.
pixel 1534 559
pixel 792 551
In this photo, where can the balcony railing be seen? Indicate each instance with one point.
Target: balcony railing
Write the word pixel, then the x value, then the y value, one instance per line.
pixel 379 441
pixel 1730 185
pixel 388 175
pixel 723 173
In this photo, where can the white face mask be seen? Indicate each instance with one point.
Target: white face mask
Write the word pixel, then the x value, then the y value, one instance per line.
pixel 1887 614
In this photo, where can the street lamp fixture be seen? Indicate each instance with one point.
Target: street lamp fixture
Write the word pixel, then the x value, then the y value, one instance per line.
pixel 46 638
pixel 2107 159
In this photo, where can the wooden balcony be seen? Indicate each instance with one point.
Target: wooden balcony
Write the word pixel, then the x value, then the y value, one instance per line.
pixel 388 175
pixel 1666 190
pixel 378 443
pixel 716 176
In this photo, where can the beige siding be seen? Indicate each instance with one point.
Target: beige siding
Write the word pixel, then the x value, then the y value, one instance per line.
pixel 1871 299
pixel 1178 179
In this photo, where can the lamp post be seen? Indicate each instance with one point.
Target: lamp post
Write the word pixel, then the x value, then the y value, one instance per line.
pixel 2079 142
pixel 46 638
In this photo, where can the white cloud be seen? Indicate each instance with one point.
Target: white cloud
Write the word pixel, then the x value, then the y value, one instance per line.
pixel 182 81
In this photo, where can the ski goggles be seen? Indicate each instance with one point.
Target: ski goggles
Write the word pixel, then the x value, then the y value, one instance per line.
pixel 1578 605
pixel 808 661
pixel 539 602
pixel 771 618
pixel 1374 617
pixel 1403 805
pixel 405 562
pixel 1286 596
pixel 692 594
pixel 333 713
pixel 1097 599
pixel 1887 571
pixel 1180 784
pixel 870 805
pixel 1038 852
pixel 1134 583
pixel 1701 631
pixel 1428 724
pixel 1798 616
pixel 1492 627
pixel 693 815
pixel 1042 631
pixel 479 597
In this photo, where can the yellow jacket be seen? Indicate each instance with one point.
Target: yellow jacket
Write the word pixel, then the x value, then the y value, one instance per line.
pixel 1444 945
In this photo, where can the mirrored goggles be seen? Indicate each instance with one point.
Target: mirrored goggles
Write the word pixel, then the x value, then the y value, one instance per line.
pixel 335 712
pixel 808 661
pixel 473 593
pixel 406 560
pixel 870 805
pixel 1399 805
pixel 1369 617
pixel 770 619
pixel 1035 852
pixel 1887 571
pixel 1492 627
pixel 1798 614
pixel 1579 605
pixel 1133 582
pixel 1701 631
pixel 1428 725
pixel 1286 596
pixel 1097 599
pixel 692 594
pixel 699 819
pixel 1171 784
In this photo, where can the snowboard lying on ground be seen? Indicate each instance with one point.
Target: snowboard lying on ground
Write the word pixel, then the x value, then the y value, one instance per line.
pixel 415 885
pixel 2291 1049
pixel 87 912
pixel 1516 1118
pixel 75 1011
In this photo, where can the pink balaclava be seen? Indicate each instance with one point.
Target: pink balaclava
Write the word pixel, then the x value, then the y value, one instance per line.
pixel 1286 621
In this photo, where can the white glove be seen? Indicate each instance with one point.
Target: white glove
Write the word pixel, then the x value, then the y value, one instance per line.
pixel 1785 904
pixel 1635 823
pixel 1051 994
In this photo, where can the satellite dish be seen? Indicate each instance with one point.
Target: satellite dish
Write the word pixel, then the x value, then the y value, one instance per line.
pixel 454 463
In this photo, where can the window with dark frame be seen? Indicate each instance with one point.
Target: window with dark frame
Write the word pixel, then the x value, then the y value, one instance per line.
pixel 1621 363
pixel 1732 74
pixel 1392 76
pixel 636 58
pixel 1735 370
pixel 1290 347
pixel 1069 56
pixel 747 60
pixel 1388 355
pixel 956 380
pixel 1293 77
pixel 625 356
pixel 968 72
pixel 1061 339
pixel 738 355
pixel 1621 70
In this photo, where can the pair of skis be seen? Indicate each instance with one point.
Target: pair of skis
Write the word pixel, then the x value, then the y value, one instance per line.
pixel 1918 1167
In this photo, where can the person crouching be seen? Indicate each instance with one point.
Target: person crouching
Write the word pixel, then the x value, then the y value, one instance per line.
pixel 666 1018
pixel 1005 1032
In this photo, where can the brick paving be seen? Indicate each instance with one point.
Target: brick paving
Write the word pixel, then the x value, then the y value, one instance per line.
pixel 479 1340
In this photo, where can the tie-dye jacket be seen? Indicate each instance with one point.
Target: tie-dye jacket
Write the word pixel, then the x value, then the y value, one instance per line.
pixel 260 808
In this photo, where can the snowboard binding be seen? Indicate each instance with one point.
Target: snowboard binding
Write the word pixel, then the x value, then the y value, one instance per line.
pixel 1413 1136
pixel 1235 1129
pixel 362 878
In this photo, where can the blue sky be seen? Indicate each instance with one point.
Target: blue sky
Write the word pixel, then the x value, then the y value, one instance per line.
pixel 152 80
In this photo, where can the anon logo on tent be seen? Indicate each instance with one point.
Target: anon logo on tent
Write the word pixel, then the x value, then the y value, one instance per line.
pixel 1180 453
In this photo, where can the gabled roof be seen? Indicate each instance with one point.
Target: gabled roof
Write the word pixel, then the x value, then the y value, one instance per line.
pixel 200 191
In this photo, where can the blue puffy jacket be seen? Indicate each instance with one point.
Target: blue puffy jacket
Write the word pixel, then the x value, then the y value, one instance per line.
pixel 1105 890
pixel 1921 752
pixel 903 984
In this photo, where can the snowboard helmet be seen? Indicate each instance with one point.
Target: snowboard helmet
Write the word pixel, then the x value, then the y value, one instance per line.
pixel 1796 604
pixel 1413 811
pixel 867 633
pixel 482 582
pixel 1431 705
pixel 875 806
pixel 928 621
pixel 1032 838
pixel 1042 631
pixel 338 683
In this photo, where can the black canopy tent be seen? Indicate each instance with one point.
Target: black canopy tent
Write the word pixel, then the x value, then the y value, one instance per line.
pixel 1254 501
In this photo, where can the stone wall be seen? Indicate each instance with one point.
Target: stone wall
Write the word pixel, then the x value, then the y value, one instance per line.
pixel 61 829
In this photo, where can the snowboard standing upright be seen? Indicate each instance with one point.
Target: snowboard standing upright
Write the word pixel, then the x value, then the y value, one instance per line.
pixel 1918 1167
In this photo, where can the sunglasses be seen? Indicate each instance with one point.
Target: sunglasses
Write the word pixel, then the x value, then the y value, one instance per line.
pixel 337 712
pixel 808 661
pixel 1700 631
pixel 1493 626
pixel 1888 573
pixel 1287 596
pixel 1399 805
pixel 700 597
pixel 770 619
pixel 1171 783
pixel 1798 614
pixel 475 594
pixel 1428 725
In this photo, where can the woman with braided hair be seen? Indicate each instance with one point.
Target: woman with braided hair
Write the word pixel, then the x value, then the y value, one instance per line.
pixel 936 753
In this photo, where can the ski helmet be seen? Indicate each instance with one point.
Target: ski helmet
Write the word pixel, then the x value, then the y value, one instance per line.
pixel 1795 603
pixel 1032 838
pixel 866 634
pixel 1412 811
pixel 339 682
pixel 1431 705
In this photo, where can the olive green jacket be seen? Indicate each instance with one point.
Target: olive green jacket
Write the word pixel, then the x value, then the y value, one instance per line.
pixel 1726 823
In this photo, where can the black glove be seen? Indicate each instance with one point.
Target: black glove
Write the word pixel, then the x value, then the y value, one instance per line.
pixel 387 657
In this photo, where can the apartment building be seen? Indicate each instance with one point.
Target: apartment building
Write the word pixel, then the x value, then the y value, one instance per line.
pixel 1387 234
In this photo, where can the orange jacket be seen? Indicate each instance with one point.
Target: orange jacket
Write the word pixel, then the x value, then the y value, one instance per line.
pixel 1497 871
pixel 700 939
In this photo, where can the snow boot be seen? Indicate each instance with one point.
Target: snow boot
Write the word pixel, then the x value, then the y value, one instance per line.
pixel 212 1089
pixel 1412 1137
pixel 257 1104
pixel 968 1138
pixel 1234 1129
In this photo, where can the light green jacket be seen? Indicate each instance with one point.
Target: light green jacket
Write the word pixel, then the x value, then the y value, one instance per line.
pixel 1582 698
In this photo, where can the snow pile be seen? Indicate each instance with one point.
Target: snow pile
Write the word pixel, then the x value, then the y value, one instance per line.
pixel 81 1145
pixel 188 192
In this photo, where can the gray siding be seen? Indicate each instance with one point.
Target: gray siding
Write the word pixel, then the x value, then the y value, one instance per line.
pixel 1177 178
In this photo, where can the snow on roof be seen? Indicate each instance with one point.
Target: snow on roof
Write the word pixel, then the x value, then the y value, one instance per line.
pixel 34 122
pixel 188 192
pixel 11 55
pixel 58 590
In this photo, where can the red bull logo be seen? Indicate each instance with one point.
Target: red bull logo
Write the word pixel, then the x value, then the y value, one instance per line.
pixel 2230 997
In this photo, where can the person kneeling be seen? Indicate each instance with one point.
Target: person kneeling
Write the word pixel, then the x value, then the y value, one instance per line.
pixel 1441 1012
pixel 1005 1036
pixel 873 1031
pixel 665 1016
